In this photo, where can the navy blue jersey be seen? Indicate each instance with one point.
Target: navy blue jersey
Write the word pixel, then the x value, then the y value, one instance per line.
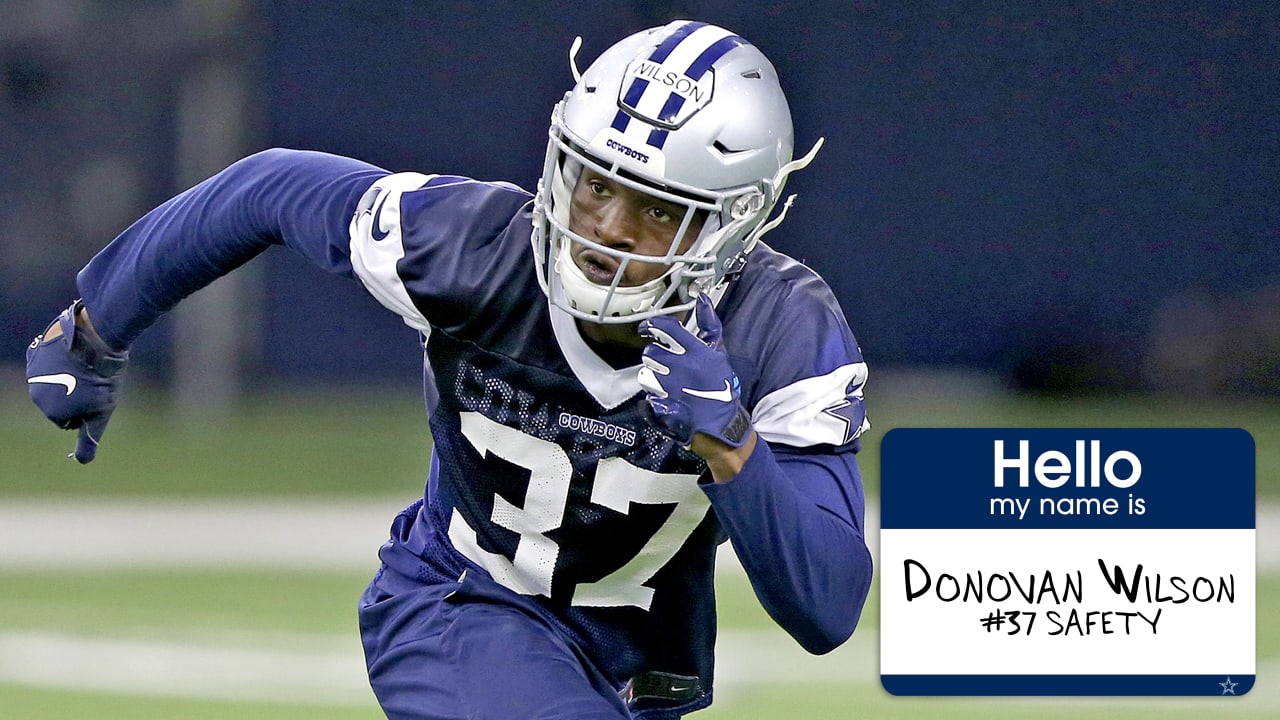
pixel 546 473
pixel 546 479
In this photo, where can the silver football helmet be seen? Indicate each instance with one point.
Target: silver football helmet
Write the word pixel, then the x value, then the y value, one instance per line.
pixel 691 114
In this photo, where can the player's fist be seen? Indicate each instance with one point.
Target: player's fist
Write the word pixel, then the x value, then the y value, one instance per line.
pixel 74 378
pixel 691 386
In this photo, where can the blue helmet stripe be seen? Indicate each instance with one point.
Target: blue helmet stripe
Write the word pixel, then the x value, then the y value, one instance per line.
pixel 620 121
pixel 674 102
pixel 697 69
pixel 634 92
pixel 661 52
pixel 671 107
pixel 709 56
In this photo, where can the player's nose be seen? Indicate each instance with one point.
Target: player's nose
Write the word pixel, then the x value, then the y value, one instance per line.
pixel 614 226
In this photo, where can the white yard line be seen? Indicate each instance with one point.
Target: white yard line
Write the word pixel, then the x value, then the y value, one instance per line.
pixel 296 534
pixel 327 672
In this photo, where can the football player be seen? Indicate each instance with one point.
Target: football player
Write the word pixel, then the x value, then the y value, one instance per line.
pixel 620 376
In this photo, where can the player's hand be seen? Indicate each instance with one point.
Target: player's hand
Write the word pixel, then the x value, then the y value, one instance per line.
pixel 74 378
pixel 691 386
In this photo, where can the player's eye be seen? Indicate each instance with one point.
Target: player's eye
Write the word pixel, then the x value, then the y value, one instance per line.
pixel 666 214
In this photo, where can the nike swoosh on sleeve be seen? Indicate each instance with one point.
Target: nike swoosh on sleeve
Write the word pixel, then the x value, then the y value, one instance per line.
pixel 724 395
pixel 376 228
pixel 66 380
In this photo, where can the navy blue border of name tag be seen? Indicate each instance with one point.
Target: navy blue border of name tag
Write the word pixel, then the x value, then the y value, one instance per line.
pixel 1190 478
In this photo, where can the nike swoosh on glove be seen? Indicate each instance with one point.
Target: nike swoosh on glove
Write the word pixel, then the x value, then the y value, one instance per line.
pixel 74 380
pixel 691 386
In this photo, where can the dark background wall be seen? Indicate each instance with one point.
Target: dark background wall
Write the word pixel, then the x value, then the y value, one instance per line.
pixel 1075 195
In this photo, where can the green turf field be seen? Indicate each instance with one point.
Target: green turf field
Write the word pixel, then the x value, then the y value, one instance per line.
pixel 375 446
pixel 377 443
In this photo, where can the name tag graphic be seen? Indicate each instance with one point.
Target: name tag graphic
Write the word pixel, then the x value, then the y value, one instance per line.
pixel 1067 562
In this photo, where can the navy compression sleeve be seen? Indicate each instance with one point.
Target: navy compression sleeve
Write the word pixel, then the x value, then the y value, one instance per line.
pixel 796 523
pixel 300 199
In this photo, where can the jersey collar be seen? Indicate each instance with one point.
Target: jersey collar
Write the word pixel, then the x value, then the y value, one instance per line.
pixel 610 387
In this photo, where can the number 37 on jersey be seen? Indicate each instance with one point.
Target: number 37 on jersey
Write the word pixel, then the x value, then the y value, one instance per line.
pixel 618 485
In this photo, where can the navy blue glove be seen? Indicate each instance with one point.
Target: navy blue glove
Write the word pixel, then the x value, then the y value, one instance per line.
pixel 74 379
pixel 691 386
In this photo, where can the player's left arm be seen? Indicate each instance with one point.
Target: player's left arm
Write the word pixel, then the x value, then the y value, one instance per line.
pixel 794 514
pixel 795 520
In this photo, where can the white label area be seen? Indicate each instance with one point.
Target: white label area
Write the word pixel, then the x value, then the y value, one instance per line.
pixel 962 602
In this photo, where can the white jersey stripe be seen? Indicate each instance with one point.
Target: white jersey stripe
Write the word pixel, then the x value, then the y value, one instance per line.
pixel 375 251
pixel 797 414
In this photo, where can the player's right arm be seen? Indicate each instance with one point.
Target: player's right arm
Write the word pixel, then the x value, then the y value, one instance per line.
pixel 303 200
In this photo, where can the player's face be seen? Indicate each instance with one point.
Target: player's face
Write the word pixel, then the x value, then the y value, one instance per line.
pixel 621 218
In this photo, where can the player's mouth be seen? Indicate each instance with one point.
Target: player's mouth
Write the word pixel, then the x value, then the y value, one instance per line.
pixel 598 267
